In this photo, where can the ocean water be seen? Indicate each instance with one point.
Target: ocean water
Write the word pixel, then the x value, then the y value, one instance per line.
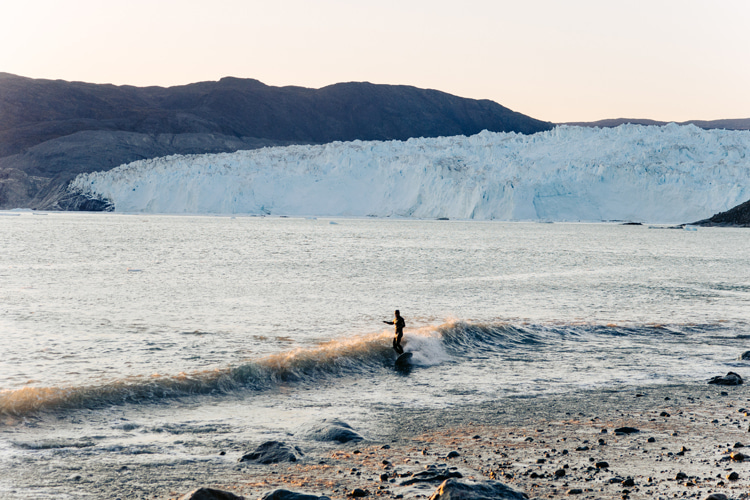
pixel 147 340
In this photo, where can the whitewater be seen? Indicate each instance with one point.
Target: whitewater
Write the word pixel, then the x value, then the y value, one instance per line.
pixel 667 174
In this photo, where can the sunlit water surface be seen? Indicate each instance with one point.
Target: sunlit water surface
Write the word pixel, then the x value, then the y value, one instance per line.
pixel 136 329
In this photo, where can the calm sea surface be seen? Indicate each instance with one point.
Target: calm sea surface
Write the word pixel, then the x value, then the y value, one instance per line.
pixel 117 327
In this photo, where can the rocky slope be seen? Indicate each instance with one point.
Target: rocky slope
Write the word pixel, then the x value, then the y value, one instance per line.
pixel 50 131
pixel 738 216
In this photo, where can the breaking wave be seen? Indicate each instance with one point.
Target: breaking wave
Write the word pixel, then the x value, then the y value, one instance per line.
pixel 349 356
pixel 369 355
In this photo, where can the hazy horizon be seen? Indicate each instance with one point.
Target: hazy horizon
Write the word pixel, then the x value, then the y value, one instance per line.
pixel 582 60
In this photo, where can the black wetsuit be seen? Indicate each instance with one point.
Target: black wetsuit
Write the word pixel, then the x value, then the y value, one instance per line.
pixel 400 324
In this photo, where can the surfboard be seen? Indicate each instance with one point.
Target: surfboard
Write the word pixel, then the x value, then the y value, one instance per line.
pixel 404 360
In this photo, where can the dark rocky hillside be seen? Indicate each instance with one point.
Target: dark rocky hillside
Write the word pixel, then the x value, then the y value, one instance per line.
pixel 50 131
pixel 738 216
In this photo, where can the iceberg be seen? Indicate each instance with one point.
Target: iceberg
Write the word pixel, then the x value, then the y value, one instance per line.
pixel 656 174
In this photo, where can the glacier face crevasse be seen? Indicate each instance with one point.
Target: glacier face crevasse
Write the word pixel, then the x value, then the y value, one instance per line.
pixel 663 174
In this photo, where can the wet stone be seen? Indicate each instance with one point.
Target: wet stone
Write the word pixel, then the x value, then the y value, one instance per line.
pixel 211 494
pixel 272 452
pixel 730 378
pixel 282 494
pixel 433 473
pixel 626 430
pixel 332 430
pixel 452 489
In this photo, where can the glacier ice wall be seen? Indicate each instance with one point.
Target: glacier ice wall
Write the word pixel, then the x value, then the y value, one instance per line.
pixel 642 173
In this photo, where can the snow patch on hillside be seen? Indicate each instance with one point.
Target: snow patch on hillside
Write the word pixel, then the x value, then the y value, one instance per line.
pixel 663 174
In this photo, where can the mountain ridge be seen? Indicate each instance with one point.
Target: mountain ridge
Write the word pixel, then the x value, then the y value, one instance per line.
pixel 726 123
pixel 53 130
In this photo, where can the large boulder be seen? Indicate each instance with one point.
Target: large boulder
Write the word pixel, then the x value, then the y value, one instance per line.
pixel 291 495
pixel 332 430
pixel 730 378
pixel 745 355
pixel 210 494
pixel 273 452
pixel 452 489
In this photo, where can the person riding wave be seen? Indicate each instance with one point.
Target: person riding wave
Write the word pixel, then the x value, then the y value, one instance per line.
pixel 399 323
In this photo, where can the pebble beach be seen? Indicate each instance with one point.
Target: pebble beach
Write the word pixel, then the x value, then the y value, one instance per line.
pixel 648 443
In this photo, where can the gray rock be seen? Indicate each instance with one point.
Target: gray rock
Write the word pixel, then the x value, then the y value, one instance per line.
pixel 332 430
pixel 290 495
pixel 272 452
pixel 730 378
pixel 433 474
pixel 452 489
pixel 210 494
pixel 745 355
pixel 626 430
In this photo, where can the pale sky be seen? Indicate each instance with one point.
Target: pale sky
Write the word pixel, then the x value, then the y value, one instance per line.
pixel 556 60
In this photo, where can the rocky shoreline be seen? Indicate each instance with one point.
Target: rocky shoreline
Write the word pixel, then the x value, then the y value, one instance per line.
pixel 738 216
pixel 658 442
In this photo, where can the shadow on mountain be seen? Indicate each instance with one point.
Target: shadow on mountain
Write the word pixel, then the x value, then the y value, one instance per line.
pixel 51 131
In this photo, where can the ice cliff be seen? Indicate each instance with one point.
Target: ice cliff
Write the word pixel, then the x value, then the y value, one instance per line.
pixel 641 173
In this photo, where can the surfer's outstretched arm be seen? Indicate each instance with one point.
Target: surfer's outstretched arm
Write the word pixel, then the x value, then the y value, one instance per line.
pixel 388 322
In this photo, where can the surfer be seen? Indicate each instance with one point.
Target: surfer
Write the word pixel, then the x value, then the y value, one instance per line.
pixel 400 324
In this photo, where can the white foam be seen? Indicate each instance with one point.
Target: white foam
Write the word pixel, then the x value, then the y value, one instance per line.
pixel 668 174
pixel 426 346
